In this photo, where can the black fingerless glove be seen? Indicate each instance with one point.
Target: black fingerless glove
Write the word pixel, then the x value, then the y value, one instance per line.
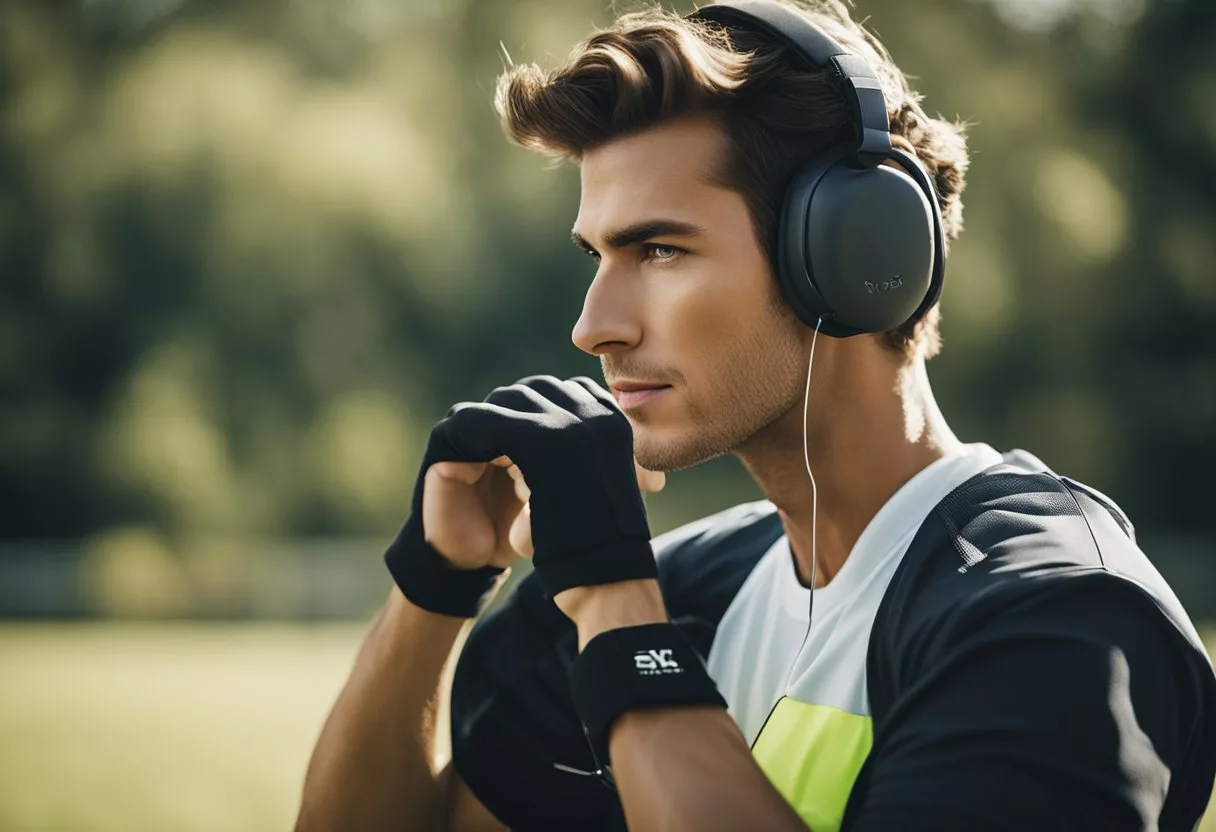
pixel 574 447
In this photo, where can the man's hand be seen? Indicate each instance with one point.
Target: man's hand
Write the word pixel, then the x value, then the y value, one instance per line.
pixel 521 529
pixel 574 449
pixel 479 513
pixel 468 511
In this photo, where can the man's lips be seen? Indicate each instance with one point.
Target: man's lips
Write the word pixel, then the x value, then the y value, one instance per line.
pixel 633 394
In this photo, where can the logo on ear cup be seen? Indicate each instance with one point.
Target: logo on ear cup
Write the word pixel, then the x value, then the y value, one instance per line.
pixel 886 285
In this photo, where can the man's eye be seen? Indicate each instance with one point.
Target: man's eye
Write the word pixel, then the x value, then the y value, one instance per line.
pixel 594 255
pixel 661 253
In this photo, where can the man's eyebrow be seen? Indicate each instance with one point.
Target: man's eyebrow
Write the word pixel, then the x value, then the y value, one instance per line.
pixel 640 231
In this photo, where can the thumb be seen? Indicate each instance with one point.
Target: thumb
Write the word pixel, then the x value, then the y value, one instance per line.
pixel 652 481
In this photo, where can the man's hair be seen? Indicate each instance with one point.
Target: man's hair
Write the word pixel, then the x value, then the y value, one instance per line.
pixel 653 66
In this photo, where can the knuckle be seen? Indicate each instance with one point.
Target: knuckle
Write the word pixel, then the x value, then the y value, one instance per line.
pixel 458 408
pixel 540 378
pixel 508 393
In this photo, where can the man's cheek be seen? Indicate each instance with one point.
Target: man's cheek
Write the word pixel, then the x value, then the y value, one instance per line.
pixel 697 327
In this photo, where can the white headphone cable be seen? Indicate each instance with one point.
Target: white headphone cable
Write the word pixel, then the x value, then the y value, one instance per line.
pixel 806 457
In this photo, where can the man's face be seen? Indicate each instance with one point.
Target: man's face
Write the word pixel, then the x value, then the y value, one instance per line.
pixel 683 297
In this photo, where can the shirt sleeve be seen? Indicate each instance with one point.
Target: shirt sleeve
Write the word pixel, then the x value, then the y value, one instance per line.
pixel 1069 705
pixel 516 739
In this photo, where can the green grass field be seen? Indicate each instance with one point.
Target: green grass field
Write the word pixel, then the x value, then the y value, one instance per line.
pixel 162 726
pixel 167 727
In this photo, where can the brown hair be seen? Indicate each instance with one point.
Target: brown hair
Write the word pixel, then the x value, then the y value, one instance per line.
pixel 652 66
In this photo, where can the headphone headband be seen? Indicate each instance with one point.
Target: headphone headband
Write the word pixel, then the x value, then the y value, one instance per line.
pixel 860 245
pixel 857 82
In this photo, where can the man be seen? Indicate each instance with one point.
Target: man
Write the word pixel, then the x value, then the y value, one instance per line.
pixel 909 633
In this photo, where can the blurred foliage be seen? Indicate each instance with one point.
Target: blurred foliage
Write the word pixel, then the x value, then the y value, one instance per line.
pixel 249 252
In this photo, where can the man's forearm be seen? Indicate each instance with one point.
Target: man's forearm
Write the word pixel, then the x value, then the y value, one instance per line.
pixel 372 766
pixel 690 769
pixel 685 768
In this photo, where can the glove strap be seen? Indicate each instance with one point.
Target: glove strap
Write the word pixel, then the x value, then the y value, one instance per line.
pixel 429 581
pixel 651 666
pixel 631 558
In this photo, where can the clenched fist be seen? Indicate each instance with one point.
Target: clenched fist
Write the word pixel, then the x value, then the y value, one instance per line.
pixel 473 499
pixel 478 513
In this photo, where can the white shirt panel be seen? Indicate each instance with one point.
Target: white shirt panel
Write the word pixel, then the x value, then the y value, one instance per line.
pixel 763 649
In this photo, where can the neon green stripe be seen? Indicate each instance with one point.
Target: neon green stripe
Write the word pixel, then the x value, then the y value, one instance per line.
pixel 812 754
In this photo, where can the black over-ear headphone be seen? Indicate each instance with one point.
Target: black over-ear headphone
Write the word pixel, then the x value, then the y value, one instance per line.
pixel 860 246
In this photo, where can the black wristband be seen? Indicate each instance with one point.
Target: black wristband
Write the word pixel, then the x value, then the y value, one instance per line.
pixel 427 579
pixel 651 666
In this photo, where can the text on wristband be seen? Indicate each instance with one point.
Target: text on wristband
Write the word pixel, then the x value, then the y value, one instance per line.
pixel 655 662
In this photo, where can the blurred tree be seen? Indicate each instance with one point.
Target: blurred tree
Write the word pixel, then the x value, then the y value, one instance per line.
pixel 249 252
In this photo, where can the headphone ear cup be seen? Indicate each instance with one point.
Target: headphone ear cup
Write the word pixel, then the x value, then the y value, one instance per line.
pixel 861 247
pixel 872 247
pixel 794 273
pixel 913 168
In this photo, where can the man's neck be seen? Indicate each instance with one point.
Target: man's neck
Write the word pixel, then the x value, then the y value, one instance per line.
pixel 867 437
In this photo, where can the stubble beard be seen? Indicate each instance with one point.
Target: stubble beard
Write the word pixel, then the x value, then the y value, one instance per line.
pixel 757 382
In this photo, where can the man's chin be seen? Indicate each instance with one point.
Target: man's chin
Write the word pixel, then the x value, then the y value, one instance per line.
pixel 657 453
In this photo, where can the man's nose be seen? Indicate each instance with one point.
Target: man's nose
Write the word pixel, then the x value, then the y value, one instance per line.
pixel 610 321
